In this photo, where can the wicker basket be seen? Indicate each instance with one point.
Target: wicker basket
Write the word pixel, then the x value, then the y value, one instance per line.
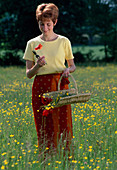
pixel 73 95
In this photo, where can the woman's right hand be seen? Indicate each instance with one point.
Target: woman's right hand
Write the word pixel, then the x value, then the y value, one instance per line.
pixel 41 61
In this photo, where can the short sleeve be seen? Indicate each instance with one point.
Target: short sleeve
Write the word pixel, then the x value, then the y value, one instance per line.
pixel 68 50
pixel 28 55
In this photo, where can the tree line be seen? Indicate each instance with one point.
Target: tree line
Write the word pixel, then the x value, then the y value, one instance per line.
pixel 84 22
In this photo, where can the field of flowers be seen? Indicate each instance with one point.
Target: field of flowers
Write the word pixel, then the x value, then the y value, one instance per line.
pixel 94 122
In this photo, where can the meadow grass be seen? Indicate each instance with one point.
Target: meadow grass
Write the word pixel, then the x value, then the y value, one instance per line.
pixel 94 122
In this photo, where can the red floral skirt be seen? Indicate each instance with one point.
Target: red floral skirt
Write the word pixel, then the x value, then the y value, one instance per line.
pixel 58 123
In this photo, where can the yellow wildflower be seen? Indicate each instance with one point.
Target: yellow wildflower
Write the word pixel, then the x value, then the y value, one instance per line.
pixel 3 154
pixel 70 157
pixel 74 161
pixel 2 167
pixel 80 147
pixel 5 162
pixel 12 156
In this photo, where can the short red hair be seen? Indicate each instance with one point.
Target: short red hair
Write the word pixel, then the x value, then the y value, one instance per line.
pixel 48 10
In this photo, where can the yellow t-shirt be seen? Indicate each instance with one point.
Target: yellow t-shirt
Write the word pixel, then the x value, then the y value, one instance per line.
pixel 55 52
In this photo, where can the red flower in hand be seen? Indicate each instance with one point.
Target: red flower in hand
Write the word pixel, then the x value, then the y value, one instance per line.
pixel 38 47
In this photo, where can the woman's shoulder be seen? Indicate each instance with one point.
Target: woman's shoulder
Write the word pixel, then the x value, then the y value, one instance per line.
pixel 33 40
pixel 63 38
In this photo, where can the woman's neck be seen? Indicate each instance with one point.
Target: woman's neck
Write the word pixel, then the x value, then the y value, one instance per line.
pixel 49 37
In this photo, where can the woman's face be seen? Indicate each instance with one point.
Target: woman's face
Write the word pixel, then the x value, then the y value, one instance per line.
pixel 46 26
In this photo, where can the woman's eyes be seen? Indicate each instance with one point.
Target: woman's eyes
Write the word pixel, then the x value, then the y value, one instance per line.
pixel 41 24
pixel 47 25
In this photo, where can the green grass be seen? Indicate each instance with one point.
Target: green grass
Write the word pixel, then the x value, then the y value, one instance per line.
pixel 97 52
pixel 94 122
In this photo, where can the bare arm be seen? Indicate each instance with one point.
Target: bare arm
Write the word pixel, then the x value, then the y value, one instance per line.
pixel 71 68
pixel 32 68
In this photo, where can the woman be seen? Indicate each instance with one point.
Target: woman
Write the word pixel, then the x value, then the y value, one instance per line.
pixel 47 69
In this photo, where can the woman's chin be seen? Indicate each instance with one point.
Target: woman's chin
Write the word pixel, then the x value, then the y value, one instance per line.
pixel 45 33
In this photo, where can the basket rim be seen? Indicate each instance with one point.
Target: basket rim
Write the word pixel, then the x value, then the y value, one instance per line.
pixel 73 99
pixel 77 95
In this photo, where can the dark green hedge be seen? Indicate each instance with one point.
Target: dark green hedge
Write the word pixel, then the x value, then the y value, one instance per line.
pixel 11 57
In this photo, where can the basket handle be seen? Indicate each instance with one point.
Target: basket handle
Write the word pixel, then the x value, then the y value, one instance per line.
pixel 72 80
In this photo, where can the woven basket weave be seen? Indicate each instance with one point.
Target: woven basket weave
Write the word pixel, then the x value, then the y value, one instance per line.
pixel 70 95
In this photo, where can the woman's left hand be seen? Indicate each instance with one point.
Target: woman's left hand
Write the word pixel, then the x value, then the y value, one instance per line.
pixel 66 72
pixel 71 68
